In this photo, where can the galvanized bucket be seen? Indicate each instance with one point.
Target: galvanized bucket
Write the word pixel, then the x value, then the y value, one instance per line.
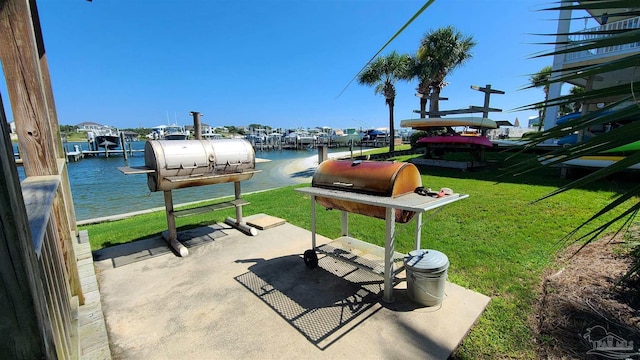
pixel 426 276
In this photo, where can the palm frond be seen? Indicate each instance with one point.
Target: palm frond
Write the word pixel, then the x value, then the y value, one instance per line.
pixel 620 38
pixel 623 109
pixel 581 72
pixel 412 19
pixel 596 5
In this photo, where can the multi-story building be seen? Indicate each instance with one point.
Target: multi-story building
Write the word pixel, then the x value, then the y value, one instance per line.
pixel 568 36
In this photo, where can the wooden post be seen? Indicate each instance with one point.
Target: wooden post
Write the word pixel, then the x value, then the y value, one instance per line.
pixel 487 90
pixel 322 153
pixel 197 124
pixel 19 55
pixel 26 73
pixel 123 145
pixel 27 324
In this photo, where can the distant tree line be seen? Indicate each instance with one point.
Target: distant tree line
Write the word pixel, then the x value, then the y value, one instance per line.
pixel 143 132
pixel 66 129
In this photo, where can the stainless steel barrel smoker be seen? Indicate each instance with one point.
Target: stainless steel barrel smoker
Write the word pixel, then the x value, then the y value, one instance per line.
pixel 175 164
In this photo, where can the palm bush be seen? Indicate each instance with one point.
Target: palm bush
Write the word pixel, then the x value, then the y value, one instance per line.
pixel 625 107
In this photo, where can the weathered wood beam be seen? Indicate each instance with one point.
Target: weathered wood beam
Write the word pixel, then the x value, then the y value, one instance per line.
pixel 483 109
pixel 21 55
pixel 39 193
pixel 21 64
pixel 53 115
pixel 447 112
pixel 424 96
pixel 487 89
pixel 24 319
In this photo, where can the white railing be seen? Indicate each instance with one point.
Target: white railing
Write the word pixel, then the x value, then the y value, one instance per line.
pixel 592 34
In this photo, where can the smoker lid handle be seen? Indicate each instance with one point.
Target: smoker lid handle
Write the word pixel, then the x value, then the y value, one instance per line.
pixel 338 183
pixel 233 164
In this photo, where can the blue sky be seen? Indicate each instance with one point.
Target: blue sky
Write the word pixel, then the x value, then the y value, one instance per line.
pixel 278 63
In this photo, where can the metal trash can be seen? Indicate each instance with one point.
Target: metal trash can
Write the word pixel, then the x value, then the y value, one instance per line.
pixel 426 276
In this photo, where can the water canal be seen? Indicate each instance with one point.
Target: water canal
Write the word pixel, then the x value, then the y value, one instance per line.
pixel 99 189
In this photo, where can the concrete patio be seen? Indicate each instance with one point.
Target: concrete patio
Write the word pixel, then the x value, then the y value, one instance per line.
pixel 237 296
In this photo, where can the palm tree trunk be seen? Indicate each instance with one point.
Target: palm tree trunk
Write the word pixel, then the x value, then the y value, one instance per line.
pixel 543 111
pixel 391 102
pixel 423 108
pixel 434 106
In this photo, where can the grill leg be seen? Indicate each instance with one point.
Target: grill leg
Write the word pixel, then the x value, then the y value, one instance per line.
pixel 239 223
pixel 345 223
pixel 313 222
pixel 418 233
pixel 236 190
pixel 390 224
pixel 172 237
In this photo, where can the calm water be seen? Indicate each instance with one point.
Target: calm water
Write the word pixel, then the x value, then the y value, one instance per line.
pixel 100 189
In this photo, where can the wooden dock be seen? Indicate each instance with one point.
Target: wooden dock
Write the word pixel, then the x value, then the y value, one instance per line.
pixel 74 156
pixel 108 153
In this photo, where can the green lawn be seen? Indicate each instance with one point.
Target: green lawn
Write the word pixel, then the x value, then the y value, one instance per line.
pixel 498 243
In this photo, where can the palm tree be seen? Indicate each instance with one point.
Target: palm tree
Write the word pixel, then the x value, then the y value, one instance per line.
pixel 421 71
pixel 575 106
pixel 541 79
pixel 383 73
pixel 442 51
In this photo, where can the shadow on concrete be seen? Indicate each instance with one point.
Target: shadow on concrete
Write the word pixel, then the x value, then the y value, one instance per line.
pixel 323 304
pixel 128 253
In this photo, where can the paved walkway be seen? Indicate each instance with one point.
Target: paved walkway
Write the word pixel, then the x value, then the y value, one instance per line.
pixel 237 296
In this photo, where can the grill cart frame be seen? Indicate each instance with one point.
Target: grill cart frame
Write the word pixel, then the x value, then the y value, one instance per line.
pixel 362 254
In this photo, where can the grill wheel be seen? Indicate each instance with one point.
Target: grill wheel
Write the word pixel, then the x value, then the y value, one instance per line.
pixel 311 259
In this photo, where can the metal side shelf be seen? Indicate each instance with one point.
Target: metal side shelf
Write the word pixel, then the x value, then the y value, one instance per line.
pixel 361 254
pixel 366 255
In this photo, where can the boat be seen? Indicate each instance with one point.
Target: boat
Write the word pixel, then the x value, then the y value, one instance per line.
pixel 454 140
pixel 344 137
pixel 306 138
pixel 168 132
pixel 565 118
pixel 106 137
pixel 175 132
pixel 378 135
pixel 598 161
pixel 322 138
pixel 608 157
pixel 427 123
pixel 108 141
pixel 300 138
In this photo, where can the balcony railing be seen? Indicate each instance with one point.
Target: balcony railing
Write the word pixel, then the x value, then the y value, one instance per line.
pixel 592 34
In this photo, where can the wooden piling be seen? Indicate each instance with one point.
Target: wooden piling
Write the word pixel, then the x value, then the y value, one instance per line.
pixel 197 125
pixel 123 144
